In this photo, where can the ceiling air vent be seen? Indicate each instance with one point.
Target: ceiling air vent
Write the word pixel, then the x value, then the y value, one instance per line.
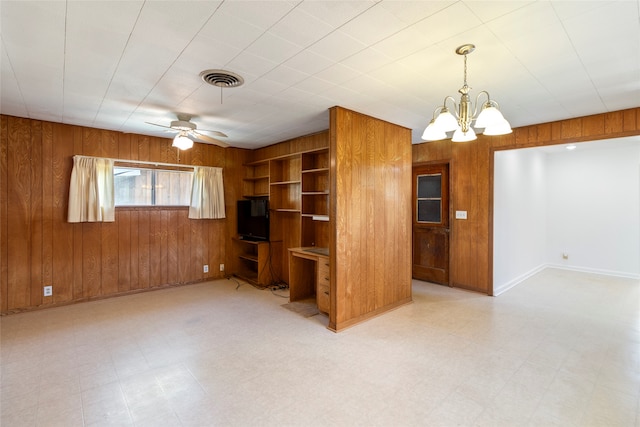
pixel 221 78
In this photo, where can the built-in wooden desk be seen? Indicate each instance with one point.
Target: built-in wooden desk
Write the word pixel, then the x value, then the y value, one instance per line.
pixel 309 275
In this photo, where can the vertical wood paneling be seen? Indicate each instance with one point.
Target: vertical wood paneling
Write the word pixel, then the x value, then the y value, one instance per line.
pixel 155 248
pixel 613 122
pixel 164 247
pixel 139 250
pixel 79 262
pixel 123 219
pixel 18 216
pixel 184 249
pixel 143 147
pixel 109 258
pixel 594 126
pixel 367 231
pixel 36 261
pixel 172 247
pixel 463 198
pixel 91 259
pixel 124 146
pixel 4 241
pixel 197 238
pixel 631 120
pixel 143 249
pixel 65 282
pixel 483 194
pixel 47 204
pixel 134 278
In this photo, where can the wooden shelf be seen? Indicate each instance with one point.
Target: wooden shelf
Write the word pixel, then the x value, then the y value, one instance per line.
pixel 256 180
pixel 285 182
pixel 253 258
pixel 257 163
pixel 297 186
pixel 319 170
pixel 258 262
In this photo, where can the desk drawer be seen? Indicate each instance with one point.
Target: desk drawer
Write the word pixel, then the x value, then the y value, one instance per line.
pixel 323 272
pixel 322 298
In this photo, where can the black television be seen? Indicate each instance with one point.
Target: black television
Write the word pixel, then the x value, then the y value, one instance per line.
pixel 253 219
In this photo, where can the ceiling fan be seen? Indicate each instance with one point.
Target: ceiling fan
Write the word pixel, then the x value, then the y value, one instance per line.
pixel 187 133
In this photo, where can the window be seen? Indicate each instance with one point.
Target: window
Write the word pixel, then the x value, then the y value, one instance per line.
pixel 429 198
pixel 135 186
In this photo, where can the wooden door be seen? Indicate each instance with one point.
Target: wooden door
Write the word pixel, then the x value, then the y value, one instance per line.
pixel 431 223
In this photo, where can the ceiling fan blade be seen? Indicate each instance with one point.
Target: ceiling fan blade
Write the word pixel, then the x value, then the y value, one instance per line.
pixel 213 132
pixel 156 124
pixel 208 139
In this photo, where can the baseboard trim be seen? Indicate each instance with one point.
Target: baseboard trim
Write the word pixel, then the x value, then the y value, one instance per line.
pixel 511 283
pixel 338 327
pixel 612 273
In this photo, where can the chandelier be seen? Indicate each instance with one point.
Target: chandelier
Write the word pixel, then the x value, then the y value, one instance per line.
pixel 490 118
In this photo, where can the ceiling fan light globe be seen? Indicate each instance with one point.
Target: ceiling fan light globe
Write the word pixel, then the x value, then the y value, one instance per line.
pixel 182 142
pixel 460 136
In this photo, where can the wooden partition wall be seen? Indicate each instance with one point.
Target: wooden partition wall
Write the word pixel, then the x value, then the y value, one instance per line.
pixel 471 174
pixel 370 217
pixel 144 248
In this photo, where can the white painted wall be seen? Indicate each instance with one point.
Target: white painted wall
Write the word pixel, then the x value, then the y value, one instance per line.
pixel 519 216
pixel 594 210
pixel 585 203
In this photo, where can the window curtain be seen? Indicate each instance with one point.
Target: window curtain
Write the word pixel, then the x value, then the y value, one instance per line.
pixel 207 194
pixel 91 196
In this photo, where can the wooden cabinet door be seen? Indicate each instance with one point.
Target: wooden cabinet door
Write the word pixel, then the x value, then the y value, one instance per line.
pixel 431 223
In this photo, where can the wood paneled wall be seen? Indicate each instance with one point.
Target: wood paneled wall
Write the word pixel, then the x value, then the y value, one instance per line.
pixel 472 182
pixel 144 248
pixel 370 217
pixel 295 145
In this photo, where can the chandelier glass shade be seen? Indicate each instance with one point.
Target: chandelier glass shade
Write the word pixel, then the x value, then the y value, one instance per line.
pixel 182 141
pixel 489 121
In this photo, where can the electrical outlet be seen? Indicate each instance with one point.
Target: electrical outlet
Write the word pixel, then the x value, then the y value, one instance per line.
pixel 48 291
pixel 205 268
pixel 221 267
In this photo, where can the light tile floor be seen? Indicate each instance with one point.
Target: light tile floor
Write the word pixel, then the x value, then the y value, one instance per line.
pixel 562 348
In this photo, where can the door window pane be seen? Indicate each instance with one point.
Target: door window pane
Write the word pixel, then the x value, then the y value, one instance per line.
pixel 429 198
pixel 429 210
pixel 429 186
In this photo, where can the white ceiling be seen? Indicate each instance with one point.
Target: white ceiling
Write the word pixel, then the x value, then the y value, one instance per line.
pixel 118 64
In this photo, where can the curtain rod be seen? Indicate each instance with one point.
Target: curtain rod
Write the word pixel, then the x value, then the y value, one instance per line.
pixel 142 162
